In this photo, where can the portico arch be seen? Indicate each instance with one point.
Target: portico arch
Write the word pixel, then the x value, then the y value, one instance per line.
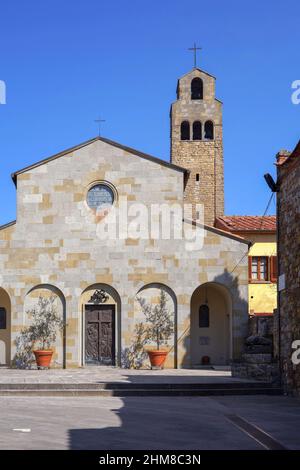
pixel 31 299
pixel 5 327
pixel 211 313
pixel 151 293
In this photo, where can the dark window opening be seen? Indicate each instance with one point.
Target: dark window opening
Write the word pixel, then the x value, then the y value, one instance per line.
pixel 197 177
pixel 197 130
pixel 197 89
pixel 2 318
pixel 209 130
pixel 185 130
pixel 204 316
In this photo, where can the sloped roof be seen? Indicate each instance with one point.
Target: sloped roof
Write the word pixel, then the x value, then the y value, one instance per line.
pixel 219 231
pixel 199 70
pixel 107 141
pixel 247 223
pixel 9 224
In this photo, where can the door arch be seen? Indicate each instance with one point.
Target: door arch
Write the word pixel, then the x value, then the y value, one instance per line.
pixel 100 306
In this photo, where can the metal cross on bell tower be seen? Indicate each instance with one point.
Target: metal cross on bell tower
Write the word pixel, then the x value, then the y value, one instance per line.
pixel 195 49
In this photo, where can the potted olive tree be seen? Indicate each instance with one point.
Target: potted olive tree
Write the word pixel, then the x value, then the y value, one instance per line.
pixel 133 356
pixel 159 327
pixel 42 332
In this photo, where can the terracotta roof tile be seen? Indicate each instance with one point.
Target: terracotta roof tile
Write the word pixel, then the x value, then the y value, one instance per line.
pixel 284 156
pixel 246 223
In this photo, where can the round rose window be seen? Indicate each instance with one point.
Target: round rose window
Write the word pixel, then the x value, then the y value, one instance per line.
pixel 100 197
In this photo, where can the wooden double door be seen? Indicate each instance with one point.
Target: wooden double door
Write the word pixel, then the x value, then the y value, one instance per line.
pixel 100 334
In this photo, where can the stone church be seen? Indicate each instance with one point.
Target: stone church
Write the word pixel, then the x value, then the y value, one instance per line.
pixel 54 248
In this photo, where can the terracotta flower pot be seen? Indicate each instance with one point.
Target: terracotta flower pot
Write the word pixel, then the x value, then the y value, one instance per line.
pixel 157 358
pixel 43 357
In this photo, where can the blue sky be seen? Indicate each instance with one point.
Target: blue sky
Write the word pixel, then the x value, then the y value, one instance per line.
pixel 64 63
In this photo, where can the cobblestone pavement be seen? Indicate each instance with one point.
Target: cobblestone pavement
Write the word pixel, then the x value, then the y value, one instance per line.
pixel 112 374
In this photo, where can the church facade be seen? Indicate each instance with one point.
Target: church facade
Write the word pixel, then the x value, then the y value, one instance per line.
pixel 56 245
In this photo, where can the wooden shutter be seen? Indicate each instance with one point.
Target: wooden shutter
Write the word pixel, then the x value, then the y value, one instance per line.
pixel 250 268
pixel 273 264
pixel 268 268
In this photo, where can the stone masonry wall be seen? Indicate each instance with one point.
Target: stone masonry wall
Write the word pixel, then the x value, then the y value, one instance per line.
pixel 289 264
pixel 203 157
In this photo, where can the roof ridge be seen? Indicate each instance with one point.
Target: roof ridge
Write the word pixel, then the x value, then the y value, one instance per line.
pixel 107 141
pixel 199 70
pixel 8 224
pixel 218 230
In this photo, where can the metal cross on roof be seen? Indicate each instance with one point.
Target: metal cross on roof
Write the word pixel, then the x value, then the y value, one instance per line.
pixel 195 49
pixel 99 120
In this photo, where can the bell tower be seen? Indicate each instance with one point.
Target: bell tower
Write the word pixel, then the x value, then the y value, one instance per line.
pixel 197 142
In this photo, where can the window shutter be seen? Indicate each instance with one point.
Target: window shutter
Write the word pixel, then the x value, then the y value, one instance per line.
pixel 250 267
pixel 273 262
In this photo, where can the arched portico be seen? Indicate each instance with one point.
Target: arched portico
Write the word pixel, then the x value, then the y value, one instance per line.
pixel 151 293
pixel 30 302
pixel 5 327
pixel 211 317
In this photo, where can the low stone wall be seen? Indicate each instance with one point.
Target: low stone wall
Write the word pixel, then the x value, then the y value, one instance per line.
pixel 260 361
pixel 261 325
pixel 256 366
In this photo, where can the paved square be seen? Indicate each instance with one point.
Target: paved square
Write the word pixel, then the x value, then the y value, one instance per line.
pixel 94 375
pixel 146 422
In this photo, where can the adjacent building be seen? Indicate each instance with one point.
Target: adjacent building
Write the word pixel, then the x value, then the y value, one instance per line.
pixel 288 214
pixel 262 259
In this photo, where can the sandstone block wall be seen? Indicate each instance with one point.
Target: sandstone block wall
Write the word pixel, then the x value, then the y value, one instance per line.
pixel 203 157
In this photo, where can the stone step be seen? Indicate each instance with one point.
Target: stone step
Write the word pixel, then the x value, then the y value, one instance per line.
pixel 131 390
pixel 135 386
